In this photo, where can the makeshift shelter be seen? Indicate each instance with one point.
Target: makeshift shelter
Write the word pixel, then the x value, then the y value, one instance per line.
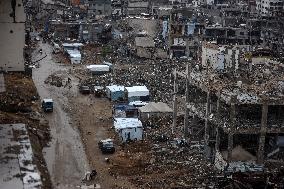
pixel 137 93
pixel 153 109
pixel 128 129
pixel 98 69
pixel 115 92
pixel 124 111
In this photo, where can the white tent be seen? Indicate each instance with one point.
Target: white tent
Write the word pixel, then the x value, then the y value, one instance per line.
pixel 137 91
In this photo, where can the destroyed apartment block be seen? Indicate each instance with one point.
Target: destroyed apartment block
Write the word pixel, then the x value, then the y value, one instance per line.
pixel 99 8
pixel 80 31
pixel 222 57
pixel 40 9
pixel 180 33
pixel 241 111
pixel 160 11
pixel 144 47
pixel 228 35
pixel 137 7
pixel 117 9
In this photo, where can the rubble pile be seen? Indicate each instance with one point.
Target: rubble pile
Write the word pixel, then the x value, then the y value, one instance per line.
pixel 20 93
pixel 160 128
pixel 90 54
pixel 54 80
pixel 157 76
pixel 177 164
pixel 61 58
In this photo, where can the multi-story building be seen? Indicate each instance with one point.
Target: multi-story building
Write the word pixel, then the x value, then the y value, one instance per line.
pixel 238 115
pixel 270 7
pixel 99 7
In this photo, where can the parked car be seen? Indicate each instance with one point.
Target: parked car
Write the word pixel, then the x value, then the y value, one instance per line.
pixel 106 146
pixel 47 105
pixel 84 89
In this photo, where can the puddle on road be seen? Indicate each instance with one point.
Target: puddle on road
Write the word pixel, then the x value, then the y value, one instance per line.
pixel 65 157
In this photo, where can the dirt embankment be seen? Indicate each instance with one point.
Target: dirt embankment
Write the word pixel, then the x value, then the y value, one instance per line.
pixel 20 104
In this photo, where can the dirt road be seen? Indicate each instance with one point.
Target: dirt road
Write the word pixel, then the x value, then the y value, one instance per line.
pixel 94 120
pixel 77 124
pixel 65 157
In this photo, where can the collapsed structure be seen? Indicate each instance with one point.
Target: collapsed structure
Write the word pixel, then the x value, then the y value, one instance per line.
pixel 237 107
pixel 234 93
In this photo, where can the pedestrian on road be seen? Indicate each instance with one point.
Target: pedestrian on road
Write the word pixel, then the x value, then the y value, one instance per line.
pixel 93 174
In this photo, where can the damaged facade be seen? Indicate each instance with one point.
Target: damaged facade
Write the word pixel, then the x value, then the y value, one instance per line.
pixel 12 34
pixel 190 90
pixel 237 112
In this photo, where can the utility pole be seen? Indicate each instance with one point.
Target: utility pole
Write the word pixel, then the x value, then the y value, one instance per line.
pixel 175 102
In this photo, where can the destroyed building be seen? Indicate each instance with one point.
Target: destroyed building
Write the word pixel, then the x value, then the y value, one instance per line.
pixel 222 57
pixel 12 43
pixel 136 7
pixel 99 7
pixel 180 30
pixel 80 30
pixel 270 7
pixel 238 113
pixel 144 46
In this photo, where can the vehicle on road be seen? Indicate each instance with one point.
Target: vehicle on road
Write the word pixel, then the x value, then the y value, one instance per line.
pixel 47 105
pixel 84 89
pixel 106 146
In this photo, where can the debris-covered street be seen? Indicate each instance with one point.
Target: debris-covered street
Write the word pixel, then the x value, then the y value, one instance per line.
pixel 65 155
pixel 138 94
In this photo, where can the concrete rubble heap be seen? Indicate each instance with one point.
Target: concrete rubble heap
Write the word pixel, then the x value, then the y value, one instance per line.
pixel 216 65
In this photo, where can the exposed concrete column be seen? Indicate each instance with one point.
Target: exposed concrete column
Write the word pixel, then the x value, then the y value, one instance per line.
pixel 187 47
pixel 217 143
pixel 170 35
pixel 263 126
pixel 186 101
pixel 175 102
pixel 206 133
pixel 232 128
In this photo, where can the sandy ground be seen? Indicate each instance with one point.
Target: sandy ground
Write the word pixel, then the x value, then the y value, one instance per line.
pixel 94 120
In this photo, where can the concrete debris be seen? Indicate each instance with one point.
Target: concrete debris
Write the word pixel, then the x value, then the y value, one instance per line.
pixel 215 68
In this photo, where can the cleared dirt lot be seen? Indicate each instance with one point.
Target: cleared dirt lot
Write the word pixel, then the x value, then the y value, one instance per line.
pixel 93 116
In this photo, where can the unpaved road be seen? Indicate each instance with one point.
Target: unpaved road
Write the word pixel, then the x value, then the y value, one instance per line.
pixel 77 124
pixel 94 119
pixel 66 159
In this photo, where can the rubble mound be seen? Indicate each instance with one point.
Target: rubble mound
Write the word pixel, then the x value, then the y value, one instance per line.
pixel 20 93
pixel 55 80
